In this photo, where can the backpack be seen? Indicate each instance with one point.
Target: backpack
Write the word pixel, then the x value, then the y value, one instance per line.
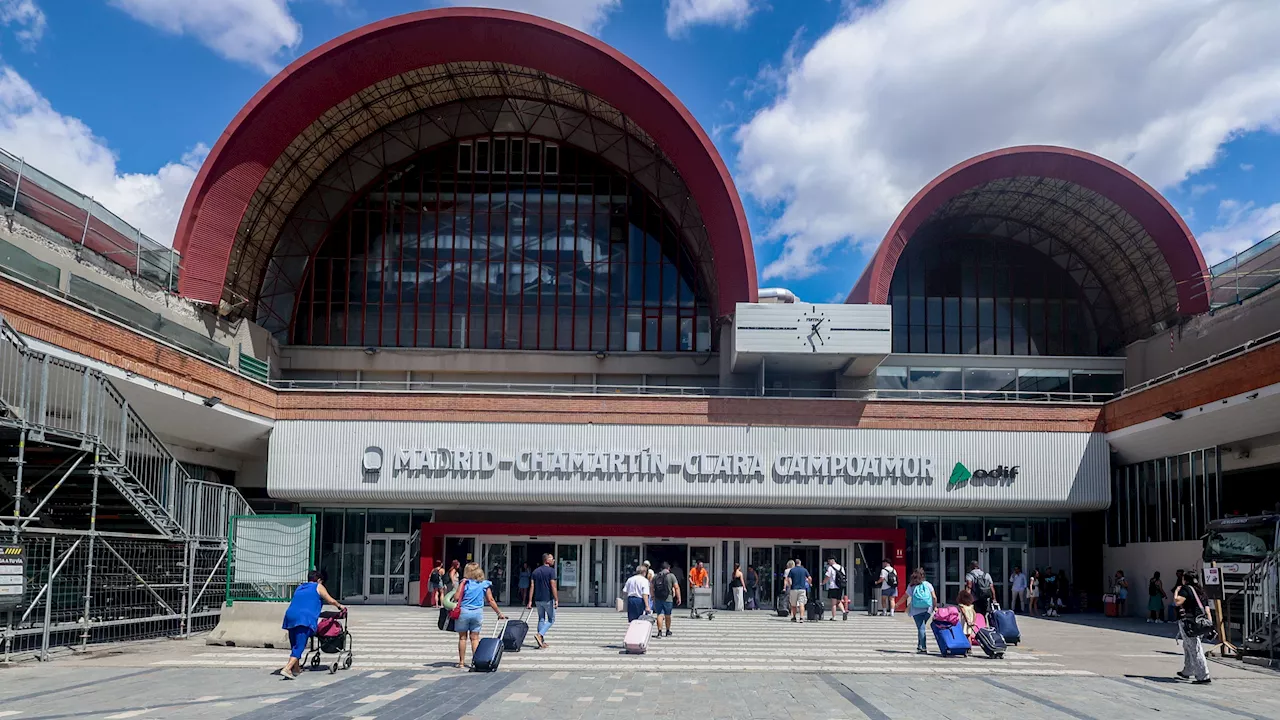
pixel 982 584
pixel 661 586
pixel 921 596
pixel 842 580
pixel 892 580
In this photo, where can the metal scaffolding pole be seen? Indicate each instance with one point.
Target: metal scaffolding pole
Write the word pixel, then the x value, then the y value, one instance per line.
pixel 48 596
pixel 17 494
pixel 93 536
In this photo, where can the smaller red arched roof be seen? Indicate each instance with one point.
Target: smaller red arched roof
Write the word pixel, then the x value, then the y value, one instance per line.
pixel 1132 234
pixel 327 76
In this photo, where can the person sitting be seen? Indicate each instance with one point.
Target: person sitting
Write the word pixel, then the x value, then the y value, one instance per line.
pixel 968 615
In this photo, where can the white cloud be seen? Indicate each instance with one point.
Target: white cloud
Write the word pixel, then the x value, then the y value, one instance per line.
pixel 1246 166
pixel 681 14
pixel 1204 189
pixel 260 33
pixel 897 92
pixel 1239 226
pixel 65 148
pixel 586 15
pixel 27 17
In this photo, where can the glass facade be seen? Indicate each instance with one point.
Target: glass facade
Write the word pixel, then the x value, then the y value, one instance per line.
pixel 343 532
pixel 1170 498
pixel 954 383
pixel 1047 541
pixel 987 296
pixel 505 242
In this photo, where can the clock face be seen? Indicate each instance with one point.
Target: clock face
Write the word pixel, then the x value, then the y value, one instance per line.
pixel 815 324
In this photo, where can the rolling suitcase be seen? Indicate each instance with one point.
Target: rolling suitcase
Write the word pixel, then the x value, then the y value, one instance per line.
pixel 1006 622
pixel 813 610
pixel 513 636
pixel 951 639
pixel 488 652
pixel 781 605
pixel 637 637
pixel 991 642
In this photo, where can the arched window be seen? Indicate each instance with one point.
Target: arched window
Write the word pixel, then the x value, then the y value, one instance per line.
pixel 505 242
pixel 991 296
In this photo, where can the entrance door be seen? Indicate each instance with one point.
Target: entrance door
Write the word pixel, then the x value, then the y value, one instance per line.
pixel 761 558
pixel 569 575
pixel 1001 560
pixel 496 570
pixel 955 564
pixel 865 575
pixel 386 568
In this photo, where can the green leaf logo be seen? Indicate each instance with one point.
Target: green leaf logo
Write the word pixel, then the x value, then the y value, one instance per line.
pixel 959 474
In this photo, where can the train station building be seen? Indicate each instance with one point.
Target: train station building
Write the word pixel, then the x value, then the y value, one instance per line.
pixel 470 285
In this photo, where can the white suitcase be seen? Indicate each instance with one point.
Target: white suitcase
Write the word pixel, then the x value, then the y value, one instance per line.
pixel 637 638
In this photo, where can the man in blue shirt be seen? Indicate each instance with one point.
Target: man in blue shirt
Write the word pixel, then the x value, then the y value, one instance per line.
pixel 545 596
pixel 798 579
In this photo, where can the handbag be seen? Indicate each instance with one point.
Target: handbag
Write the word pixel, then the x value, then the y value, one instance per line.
pixel 1201 625
pixel 456 612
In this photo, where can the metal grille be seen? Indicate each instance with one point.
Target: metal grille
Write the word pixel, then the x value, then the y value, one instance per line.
pixel 269 555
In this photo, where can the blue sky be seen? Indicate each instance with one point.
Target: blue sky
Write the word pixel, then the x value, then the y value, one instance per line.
pixel 830 113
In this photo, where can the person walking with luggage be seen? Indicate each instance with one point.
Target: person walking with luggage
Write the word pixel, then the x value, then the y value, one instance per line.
pixel 836 581
pixel 1120 586
pixel 1155 599
pixel 637 591
pixel 1033 593
pixel 968 612
pixel 546 596
pixel 888 584
pixel 753 588
pixel 666 595
pixel 1018 586
pixel 698 576
pixel 1192 614
pixel 474 593
pixel 798 584
pixel 737 584
pixel 922 598
pixel 648 575
pixel 980 585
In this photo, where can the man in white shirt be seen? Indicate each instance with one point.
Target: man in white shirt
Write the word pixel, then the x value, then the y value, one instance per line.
pixel 637 591
pixel 836 589
pixel 1018 585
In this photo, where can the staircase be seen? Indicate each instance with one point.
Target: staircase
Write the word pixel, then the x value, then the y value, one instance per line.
pixel 68 422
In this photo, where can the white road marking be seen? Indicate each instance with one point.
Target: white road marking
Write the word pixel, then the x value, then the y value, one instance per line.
pixel 127 714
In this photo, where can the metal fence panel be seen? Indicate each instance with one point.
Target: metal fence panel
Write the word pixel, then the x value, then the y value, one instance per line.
pixel 269 556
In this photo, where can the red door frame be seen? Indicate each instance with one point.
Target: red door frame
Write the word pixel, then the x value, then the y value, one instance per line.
pixel 433 535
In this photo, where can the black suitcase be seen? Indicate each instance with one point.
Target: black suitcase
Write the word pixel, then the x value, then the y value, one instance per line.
pixel 488 654
pixel 513 637
pixel 991 642
pixel 813 610
pixel 782 605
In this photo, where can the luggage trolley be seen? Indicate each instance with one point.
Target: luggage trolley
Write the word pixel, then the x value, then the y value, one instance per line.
pixel 700 603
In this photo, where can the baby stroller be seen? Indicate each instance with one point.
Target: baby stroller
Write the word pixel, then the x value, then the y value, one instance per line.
pixel 331 638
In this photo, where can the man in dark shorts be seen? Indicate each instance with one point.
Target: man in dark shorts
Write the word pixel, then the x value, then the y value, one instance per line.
pixel 546 596
pixel 666 595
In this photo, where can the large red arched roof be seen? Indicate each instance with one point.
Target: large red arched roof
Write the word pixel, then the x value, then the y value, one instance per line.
pixel 333 72
pixel 1128 191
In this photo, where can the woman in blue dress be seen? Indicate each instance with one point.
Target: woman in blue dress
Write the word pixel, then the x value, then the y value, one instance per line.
pixel 474 594
pixel 302 617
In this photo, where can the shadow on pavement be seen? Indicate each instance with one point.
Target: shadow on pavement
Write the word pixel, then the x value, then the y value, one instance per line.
pixel 1131 625
pixel 1161 679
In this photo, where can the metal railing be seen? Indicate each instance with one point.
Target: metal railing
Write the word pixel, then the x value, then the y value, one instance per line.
pixel 52 395
pixel 394 386
pixel 85 222
pixel 1245 274
pixel 1255 610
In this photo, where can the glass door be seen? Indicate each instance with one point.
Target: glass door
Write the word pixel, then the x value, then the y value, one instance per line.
pixel 761 558
pixel 705 555
pixel 626 558
pixel 569 578
pixel 820 573
pixel 1001 561
pixel 387 568
pixel 956 559
pixel 495 569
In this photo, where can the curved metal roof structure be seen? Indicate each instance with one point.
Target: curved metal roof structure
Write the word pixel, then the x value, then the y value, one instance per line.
pixel 336 119
pixel 1110 230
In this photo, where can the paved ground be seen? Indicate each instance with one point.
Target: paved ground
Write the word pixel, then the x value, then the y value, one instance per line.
pixel 735 666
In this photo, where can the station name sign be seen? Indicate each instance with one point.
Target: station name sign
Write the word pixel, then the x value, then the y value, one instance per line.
pixel 652 466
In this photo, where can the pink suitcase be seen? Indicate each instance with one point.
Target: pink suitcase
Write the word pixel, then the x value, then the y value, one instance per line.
pixel 637 638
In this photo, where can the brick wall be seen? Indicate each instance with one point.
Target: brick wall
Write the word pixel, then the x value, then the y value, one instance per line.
pixel 56 322
pixel 69 327
pixel 1239 374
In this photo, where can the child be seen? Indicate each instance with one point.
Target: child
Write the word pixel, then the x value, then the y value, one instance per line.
pixel 967 614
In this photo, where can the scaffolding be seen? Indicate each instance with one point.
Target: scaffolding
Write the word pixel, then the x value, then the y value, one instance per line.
pixel 118 542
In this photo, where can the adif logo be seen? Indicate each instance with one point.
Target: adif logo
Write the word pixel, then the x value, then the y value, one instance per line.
pixel 371 462
pixel 1000 475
